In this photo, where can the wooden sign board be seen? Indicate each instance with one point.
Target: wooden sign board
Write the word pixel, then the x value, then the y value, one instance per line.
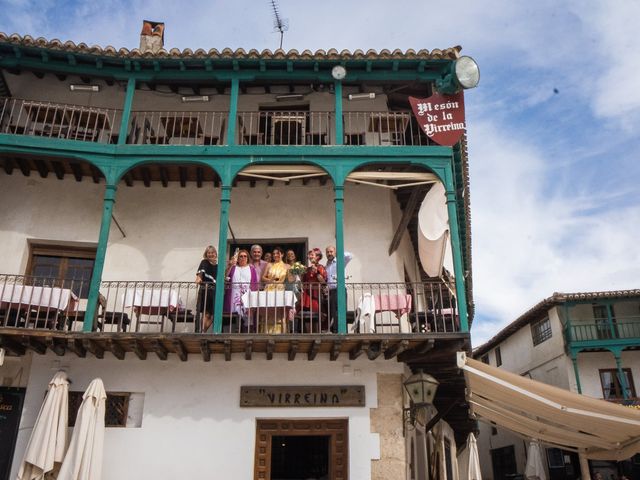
pixel 303 396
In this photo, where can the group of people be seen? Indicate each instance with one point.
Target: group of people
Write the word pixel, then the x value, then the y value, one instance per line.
pixel 248 271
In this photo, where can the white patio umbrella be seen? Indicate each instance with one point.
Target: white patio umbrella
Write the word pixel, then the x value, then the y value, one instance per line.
pixel 535 466
pixel 469 461
pixel 48 440
pixel 84 457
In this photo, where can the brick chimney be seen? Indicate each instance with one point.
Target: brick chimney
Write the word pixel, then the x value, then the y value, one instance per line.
pixel 152 36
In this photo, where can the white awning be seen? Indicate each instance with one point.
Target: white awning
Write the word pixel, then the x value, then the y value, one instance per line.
pixel 600 430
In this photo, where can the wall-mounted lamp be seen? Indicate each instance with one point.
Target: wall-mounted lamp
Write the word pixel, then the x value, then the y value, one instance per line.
pixel 463 74
pixel 289 96
pixel 195 98
pixel 84 88
pixel 362 96
pixel 421 388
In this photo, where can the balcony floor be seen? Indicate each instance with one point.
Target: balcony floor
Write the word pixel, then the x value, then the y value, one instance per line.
pixel 17 341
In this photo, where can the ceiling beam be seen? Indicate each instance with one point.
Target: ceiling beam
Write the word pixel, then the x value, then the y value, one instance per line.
pixel 407 214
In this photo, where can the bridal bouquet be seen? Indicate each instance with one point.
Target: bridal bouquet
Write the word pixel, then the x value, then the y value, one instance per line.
pixel 297 268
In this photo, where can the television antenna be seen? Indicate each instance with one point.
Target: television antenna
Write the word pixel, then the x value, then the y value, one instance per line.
pixel 280 24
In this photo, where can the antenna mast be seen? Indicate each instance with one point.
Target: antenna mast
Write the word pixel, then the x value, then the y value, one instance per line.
pixel 280 24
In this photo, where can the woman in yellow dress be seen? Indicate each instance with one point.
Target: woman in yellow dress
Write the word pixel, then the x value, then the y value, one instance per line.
pixel 273 277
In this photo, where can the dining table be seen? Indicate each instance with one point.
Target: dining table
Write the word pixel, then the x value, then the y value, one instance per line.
pixel 38 302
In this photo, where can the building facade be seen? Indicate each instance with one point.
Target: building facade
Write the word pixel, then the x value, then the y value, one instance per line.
pixel 583 342
pixel 118 169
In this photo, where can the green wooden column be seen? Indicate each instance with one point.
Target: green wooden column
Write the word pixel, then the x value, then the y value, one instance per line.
pixel 339 123
pixel 574 360
pixel 101 250
pixel 617 353
pixel 225 201
pixel 340 267
pixel 233 112
pixel 612 328
pixel 456 250
pixel 126 111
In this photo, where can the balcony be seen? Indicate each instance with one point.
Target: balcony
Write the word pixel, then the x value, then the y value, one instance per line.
pixel 180 307
pixel 191 127
pixel 622 330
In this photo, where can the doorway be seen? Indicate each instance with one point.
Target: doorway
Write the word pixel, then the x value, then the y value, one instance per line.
pixel 301 449
pixel 298 245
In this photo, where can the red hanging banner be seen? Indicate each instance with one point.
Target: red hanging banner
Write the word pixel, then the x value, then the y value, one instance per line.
pixel 441 117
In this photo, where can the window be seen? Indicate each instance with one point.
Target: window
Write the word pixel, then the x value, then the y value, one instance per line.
pixel 116 408
pixel 62 266
pixel 498 357
pixel 611 385
pixel 541 331
pixel 601 317
pixel 555 458
pixel 485 359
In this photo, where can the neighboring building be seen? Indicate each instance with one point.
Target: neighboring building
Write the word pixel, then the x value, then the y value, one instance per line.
pixel 118 167
pixel 587 343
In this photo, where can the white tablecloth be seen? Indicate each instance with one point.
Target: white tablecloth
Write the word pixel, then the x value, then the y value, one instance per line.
pixel 152 297
pixel 39 297
pixel 269 299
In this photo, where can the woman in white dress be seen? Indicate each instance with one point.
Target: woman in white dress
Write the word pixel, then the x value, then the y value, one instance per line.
pixel 241 277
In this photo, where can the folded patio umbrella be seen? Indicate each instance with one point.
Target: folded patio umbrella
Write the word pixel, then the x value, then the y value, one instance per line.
pixel 48 439
pixel 535 466
pixel 469 461
pixel 434 245
pixel 84 457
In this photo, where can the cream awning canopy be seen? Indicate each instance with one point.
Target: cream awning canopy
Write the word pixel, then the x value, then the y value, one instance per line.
pixel 286 173
pixel 600 430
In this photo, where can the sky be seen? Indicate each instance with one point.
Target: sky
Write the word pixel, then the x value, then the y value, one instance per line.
pixel 552 127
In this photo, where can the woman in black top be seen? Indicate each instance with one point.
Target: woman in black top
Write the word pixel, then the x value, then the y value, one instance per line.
pixel 206 278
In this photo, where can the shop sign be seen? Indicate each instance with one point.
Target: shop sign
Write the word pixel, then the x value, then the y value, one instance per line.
pixel 303 396
pixel 441 117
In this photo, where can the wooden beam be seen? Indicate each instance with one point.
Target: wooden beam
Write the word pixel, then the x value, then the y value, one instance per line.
pixel 377 348
pixel 128 179
pixel 160 349
pixel 359 350
pixel 335 350
pixel 164 176
pixel 183 176
pixel 77 171
pixel 58 168
pixel 35 345
pixel 42 167
pixel 95 174
pixel 248 349
pixel 227 350
pixel 407 214
pixel 199 177
pixel 205 350
pixel 293 349
pixel 396 349
pixel 11 345
pixel 138 348
pixel 24 167
pixel 425 347
pixel 116 349
pixel 313 351
pixel 76 347
pixel 57 346
pixel 8 166
pixel 270 348
pixel 146 176
pixel 93 347
pixel 180 350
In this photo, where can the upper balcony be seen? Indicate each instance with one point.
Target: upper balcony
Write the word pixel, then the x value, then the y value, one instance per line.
pixel 267 127
pixel 621 329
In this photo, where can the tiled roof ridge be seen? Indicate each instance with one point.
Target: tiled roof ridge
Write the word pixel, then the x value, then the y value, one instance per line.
pixel 293 54
pixel 556 298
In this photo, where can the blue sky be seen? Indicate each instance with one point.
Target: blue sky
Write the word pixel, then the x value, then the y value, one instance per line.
pixel 553 126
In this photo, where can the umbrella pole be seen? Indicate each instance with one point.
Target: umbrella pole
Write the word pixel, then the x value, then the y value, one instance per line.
pixel 584 466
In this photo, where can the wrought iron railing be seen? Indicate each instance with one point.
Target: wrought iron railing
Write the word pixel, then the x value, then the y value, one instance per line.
pixel 382 128
pixel 627 327
pixel 177 128
pixel 294 308
pixel 59 120
pixel 41 302
pixel 285 128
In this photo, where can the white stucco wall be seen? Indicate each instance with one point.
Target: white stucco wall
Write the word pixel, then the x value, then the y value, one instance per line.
pixel 168 228
pixel 192 422
pixel 590 363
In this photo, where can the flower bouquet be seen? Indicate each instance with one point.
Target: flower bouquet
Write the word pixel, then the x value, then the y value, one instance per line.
pixel 297 269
